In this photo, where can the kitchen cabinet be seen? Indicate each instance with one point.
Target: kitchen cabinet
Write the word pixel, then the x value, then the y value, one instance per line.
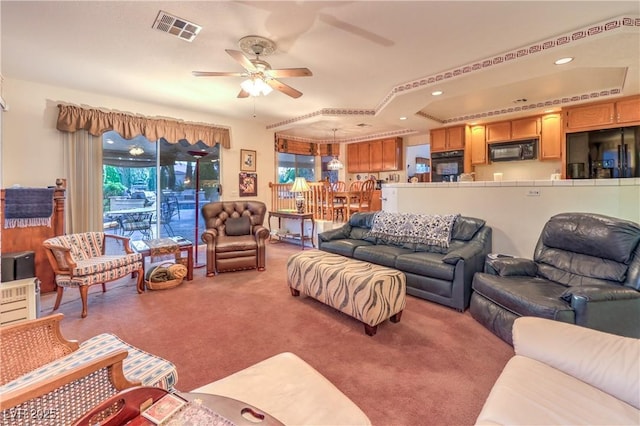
pixel 447 139
pixel 525 128
pixel 376 200
pixel 391 155
pixel 364 164
pixel 498 132
pixel 551 137
pixel 628 110
pixel 353 162
pixel 590 116
pixel 375 156
pixel 478 145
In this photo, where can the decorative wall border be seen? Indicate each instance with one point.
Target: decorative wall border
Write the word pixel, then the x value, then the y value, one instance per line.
pixel 621 23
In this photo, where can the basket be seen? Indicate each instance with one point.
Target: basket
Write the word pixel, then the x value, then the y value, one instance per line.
pixel 155 279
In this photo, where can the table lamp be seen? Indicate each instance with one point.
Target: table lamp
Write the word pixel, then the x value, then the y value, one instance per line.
pixel 299 186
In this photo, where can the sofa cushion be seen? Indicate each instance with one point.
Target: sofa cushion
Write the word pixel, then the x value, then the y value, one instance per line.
pixel 379 254
pixel 425 264
pixel 235 226
pixel 239 243
pixel 345 247
pixel 572 269
pixel 592 235
pixel 526 296
pixel 531 392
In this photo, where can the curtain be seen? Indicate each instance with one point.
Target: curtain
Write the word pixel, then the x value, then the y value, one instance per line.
pixel 83 168
pixel 72 118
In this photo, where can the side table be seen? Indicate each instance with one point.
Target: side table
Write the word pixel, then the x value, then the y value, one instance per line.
pixel 144 248
pixel 283 214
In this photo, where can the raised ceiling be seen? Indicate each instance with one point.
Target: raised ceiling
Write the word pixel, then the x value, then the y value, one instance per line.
pixel 372 62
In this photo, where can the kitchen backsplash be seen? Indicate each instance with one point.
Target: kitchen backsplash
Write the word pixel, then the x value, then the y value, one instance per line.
pixel 519 170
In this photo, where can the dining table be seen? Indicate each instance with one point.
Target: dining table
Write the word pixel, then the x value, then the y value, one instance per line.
pixel 343 200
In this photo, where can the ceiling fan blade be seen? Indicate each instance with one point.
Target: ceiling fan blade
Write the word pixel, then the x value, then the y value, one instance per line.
pixel 287 90
pixel 243 94
pixel 241 59
pixel 290 72
pixel 217 74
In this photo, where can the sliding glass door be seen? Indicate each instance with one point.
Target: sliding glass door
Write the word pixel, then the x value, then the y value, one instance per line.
pixel 155 189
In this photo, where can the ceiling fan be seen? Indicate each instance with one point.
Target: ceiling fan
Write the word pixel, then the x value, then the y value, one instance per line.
pixel 261 79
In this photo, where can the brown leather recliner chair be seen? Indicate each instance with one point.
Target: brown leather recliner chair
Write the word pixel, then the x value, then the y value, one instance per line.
pixel 234 235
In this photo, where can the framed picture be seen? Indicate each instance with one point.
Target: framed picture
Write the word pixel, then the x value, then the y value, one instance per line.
pixel 248 184
pixel 247 160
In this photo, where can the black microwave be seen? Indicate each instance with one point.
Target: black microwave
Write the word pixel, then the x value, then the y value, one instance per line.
pixel 514 151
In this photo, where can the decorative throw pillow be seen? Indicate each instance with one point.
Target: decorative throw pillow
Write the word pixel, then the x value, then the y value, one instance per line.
pixel 238 226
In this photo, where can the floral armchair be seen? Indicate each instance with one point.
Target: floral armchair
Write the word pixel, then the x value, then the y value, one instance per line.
pixel 80 260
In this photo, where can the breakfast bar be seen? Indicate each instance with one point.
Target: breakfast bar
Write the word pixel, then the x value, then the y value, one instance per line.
pixel 517 210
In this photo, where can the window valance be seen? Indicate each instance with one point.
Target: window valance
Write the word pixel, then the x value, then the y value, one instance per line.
pixel 305 148
pixel 72 118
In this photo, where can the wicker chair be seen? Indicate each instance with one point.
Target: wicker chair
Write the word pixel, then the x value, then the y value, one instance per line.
pixel 33 351
pixel 40 339
pixel 65 397
pixel 79 260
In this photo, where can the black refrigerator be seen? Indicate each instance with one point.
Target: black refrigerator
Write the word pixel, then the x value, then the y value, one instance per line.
pixel 604 154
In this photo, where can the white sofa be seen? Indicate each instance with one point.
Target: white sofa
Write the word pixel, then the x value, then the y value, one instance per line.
pixel 566 374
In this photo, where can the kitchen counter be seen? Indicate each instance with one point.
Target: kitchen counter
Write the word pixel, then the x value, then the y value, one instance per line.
pixel 517 209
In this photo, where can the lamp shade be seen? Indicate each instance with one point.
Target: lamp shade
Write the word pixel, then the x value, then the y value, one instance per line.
pixel 300 185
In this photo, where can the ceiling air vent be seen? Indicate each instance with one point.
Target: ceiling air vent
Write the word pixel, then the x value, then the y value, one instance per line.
pixel 179 27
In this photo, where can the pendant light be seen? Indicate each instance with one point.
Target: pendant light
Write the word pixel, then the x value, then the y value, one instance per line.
pixel 334 163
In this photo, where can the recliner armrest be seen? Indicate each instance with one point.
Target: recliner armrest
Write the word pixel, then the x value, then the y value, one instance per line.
pixel 599 293
pixel 261 232
pixel 209 236
pixel 511 266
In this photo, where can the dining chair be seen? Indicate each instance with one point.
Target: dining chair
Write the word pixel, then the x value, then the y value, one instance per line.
pixel 364 197
pixel 339 186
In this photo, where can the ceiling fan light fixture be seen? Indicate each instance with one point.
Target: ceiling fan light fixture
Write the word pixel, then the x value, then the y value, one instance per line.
pixel 256 87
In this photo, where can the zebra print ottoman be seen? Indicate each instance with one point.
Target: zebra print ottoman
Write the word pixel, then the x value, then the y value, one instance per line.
pixel 367 292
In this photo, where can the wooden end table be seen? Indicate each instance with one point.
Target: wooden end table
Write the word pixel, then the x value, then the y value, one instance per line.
pixel 144 248
pixel 285 214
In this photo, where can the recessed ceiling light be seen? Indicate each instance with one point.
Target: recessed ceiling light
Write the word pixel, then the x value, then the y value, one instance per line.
pixel 403 118
pixel 437 93
pixel 563 61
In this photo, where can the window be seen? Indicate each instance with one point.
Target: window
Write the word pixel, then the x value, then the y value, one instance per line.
pixel 150 189
pixel 291 166
pixel 330 175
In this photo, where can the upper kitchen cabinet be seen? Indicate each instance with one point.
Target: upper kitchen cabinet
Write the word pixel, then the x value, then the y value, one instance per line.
pixel 498 132
pixel 392 154
pixel 590 116
pixel 375 156
pixel 628 110
pixel 447 139
pixel 478 145
pixel 353 160
pixel 364 162
pixel 525 128
pixel 551 137
pixel 603 115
